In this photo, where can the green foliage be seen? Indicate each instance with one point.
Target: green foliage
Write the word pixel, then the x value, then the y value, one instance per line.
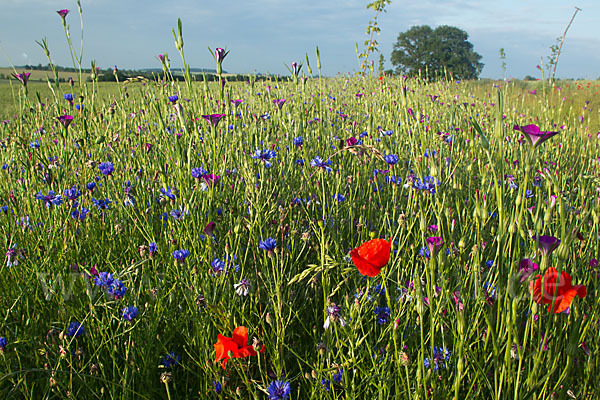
pixel 444 49
pixel 503 59
pixel 372 29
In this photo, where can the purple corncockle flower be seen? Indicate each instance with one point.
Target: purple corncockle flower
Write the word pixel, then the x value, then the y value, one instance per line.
pixel 526 268
pixel 434 244
pixel 220 54
pixel 296 68
pixel 534 135
pixel 547 244
pixel 65 120
pixel 351 141
pixel 279 102
pixel 210 179
pixel 209 228
pixel 22 77
pixel 63 14
pixel 213 118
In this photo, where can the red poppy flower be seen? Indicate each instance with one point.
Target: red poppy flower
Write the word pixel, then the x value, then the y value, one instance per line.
pixel 556 288
pixel 237 345
pixel 371 256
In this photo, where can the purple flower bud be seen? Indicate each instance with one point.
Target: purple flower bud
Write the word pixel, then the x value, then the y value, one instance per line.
pixel 220 55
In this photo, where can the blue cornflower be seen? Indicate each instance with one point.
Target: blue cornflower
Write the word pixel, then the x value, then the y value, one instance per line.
pixel 106 168
pixel 218 386
pixel 75 329
pixel 198 172
pixel 50 199
pixel 178 214
pixel 170 360
pixel 117 289
pixel 429 153
pixel 279 390
pixel 181 255
pixel 317 162
pixel 333 315
pixel 391 159
pixel 69 97
pixel 300 162
pixel 104 279
pixel 152 248
pixel 91 186
pixel 489 263
pixel 393 179
pixel 299 141
pixel 129 200
pixel 218 265
pixel 528 194
pixel 12 256
pixel 265 156
pixel 73 193
pixel 127 187
pixel 169 192
pixel 102 204
pixel 2 343
pixel 128 313
pixel 173 99
pixel 441 356
pixel 383 315
pixel 424 252
pixel 326 384
pixel 339 376
pixel 429 184
pixel 36 144
pixel 339 197
pixel 80 215
pixel 268 244
pixel 363 134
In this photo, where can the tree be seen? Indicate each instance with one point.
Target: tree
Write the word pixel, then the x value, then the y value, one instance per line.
pixel 444 48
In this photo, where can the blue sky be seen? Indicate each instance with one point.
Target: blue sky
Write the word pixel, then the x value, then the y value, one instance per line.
pixel 264 35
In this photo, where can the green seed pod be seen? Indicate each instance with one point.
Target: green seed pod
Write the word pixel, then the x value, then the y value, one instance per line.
pixel 562 252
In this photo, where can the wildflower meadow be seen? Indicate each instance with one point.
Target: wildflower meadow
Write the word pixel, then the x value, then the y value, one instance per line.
pixel 298 237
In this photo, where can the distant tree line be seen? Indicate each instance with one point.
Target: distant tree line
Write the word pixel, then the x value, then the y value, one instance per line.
pixel 109 75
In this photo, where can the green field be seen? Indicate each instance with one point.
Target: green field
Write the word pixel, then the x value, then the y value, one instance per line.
pixel 299 191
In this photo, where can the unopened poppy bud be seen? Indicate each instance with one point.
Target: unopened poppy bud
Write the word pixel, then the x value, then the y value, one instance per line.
pixel 314 374
pixel 268 318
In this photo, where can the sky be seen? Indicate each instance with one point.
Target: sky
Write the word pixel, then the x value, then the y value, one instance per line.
pixel 266 35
